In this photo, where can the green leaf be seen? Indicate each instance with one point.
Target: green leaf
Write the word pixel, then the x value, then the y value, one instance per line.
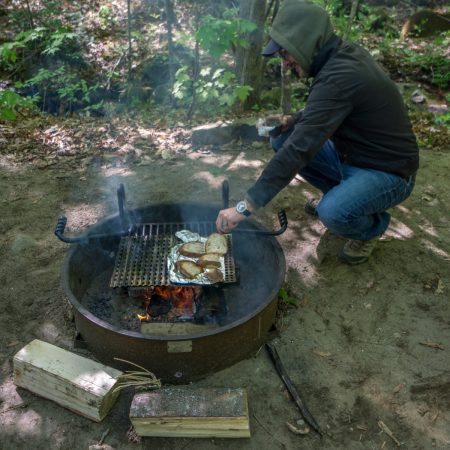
pixel 217 73
pixel 7 114
pixel 10 98
pixel 242 92
pixel 286 298
pixel 228 77
pixel 205 72
pixel 247 26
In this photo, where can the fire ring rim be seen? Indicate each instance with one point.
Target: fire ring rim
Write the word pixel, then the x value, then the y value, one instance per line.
pixel 155 337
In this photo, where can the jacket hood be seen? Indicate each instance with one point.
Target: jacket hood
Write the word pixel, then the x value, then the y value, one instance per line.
pixel 302 28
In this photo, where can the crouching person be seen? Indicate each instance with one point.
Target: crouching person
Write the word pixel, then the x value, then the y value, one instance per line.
pixel 353 140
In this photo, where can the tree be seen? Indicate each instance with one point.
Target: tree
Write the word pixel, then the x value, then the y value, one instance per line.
pixel 170 19
pixel 248 60
pixel 353 12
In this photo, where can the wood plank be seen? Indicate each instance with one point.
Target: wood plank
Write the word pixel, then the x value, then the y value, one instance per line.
pixel 73 381
pixel 188 412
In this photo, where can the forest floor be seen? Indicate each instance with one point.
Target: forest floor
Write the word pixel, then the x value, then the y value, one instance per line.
pixel 365 344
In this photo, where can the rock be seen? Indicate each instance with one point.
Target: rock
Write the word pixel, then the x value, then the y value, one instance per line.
pixel 221 133
pixel 258 145
pixel 425 23
pixel 167 154
pixel 377 55
pixel 418 97
pixel 438 109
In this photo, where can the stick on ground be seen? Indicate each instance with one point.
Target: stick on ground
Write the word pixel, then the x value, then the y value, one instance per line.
pixel 309 419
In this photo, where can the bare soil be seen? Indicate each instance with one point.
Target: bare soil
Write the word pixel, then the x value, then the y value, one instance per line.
pixel 364 344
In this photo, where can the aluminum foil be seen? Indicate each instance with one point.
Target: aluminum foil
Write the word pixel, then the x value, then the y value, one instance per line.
pixel 189 236
pixel 174 256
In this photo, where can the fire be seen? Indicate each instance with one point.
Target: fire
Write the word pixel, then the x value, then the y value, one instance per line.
pixel 181 298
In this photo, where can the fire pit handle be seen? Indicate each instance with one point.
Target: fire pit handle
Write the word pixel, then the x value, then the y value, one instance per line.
pixel 59 232
pixel 225 194
pixel 83 238
pixel 282 218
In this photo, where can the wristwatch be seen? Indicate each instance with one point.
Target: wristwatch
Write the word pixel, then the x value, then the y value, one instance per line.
pixel 241 208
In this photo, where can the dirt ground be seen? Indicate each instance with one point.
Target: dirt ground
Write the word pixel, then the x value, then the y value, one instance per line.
pixel 365 344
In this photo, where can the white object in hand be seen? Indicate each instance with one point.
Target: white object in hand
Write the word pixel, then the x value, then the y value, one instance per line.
pixel 263 130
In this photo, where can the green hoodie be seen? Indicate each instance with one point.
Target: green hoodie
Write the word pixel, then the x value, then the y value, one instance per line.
pixel 302 28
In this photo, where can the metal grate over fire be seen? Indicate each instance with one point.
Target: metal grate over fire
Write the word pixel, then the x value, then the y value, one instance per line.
pixel 141 259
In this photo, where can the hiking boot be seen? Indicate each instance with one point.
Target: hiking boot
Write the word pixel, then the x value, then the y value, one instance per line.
pixel 310 207
pixel 357 252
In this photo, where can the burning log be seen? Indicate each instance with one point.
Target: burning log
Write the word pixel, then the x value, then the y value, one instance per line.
pixel 172 302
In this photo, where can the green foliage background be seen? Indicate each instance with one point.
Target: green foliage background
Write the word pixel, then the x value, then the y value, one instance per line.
pixel 66 62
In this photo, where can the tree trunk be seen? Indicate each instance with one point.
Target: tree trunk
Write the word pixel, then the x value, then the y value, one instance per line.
pixel 353 12
pixel 129 38
pixel 285 101
pixel 248 60
pixel 30 16
pixel 276 7
pixel 196 68
pixel 169 22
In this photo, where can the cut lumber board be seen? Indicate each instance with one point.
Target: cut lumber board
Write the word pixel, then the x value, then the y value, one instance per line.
pixel 77 383
pixel 185 412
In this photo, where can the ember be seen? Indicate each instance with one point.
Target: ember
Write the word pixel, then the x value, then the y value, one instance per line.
pixel 172 303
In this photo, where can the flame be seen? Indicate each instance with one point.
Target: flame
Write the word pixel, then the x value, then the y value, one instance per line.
pixel 182 298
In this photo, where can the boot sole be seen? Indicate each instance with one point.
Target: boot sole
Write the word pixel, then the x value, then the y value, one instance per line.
pixel 351 260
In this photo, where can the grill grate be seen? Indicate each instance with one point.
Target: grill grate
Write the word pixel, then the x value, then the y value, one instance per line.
pixel 141 257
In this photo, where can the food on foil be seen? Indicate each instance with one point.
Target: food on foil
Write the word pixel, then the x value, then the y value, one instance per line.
pixel 188 268
pixel 216 243
pixel 209 260
pixel 190 262
pixel 194 249
pixel 214 275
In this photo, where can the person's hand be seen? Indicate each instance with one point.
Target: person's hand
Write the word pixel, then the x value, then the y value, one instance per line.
pixel 286 121
pixel 228 219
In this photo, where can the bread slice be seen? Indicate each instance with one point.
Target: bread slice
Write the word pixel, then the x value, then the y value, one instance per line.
pixel 188 268
pixel 209 260
pixel 193 249
pixel 216 243
pixel 214 275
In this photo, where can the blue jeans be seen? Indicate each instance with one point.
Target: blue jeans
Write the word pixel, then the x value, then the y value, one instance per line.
pixel 355 199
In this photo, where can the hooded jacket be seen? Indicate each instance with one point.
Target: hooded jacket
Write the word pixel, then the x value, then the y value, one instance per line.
pixel 351 101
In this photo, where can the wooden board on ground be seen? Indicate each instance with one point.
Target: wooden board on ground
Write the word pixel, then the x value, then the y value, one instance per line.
pixel 184 412
pixel 77 383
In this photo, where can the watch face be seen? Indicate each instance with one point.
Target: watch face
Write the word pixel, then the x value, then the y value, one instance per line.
pixel 241 207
